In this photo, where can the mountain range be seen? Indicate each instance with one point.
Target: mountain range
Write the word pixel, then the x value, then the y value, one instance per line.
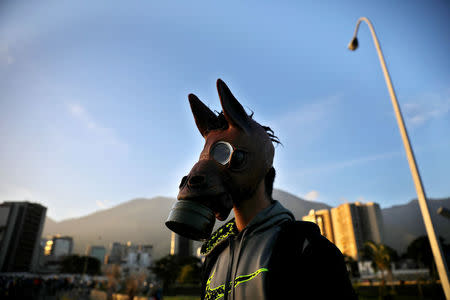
pixel 141 221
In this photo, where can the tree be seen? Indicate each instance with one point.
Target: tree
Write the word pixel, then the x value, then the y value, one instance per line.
pixel 420 251
pixel 189 274
pixel 352 266
pixel 134 283
pixel 381 256
pixel 113 273
pixel 169 269
pixel 166 269
pixel 76 264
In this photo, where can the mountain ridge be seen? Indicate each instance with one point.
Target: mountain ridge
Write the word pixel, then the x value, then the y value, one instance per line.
pixel 141 220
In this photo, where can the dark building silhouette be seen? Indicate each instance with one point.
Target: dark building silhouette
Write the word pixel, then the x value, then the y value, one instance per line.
pixel 180 245
pixel 116 254
pixel 21 226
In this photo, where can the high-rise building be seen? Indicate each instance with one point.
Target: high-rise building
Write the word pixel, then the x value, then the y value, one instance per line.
pixel 116 254
pixel 323 219
pixel 350 225
pixel 131 257
pixel 147 249
pixel 354 224
pixel 345 220
pixel 372 221
pixel 139 256
pixel 58 246
pixel 21 226
pixel 98 252
pixel 180 245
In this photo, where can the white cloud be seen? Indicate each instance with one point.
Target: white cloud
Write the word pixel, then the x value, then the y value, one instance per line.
pixel 361 199
pixel 306 123
pixel 13 192
pixel 102 204
pixel 6 57
pixel 428 107
pixel 349 163
pixel 343 200
pixel 311 196
pixel 80 113
pixel 76 109
pixel 105 135
pixel 17 192
pixel 314 112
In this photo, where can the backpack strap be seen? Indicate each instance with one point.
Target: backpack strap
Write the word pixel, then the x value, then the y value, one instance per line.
pixel 304 264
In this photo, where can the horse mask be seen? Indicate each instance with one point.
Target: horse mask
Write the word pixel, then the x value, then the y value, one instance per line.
pixel 237 155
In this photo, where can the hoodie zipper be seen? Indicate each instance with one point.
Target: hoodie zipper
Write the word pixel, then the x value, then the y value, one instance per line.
pixel 229 271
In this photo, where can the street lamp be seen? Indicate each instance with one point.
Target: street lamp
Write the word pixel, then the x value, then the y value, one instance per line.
pixel 445 212
pixel 434 242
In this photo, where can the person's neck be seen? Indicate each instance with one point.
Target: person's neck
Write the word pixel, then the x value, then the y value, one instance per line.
pixel 250 207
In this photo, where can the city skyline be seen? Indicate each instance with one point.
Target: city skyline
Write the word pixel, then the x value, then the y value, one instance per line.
pixel 95 109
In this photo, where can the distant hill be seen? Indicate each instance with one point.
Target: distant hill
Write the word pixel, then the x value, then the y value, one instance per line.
pixel 139 220
pixel 298 206
pixel 403 223
pixel 142 220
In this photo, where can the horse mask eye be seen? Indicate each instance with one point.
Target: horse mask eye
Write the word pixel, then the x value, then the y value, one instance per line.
pixel 237 155
pixel 238 160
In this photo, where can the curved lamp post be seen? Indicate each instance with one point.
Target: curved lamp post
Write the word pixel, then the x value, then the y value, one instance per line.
pixel 435 245
pixel 444 212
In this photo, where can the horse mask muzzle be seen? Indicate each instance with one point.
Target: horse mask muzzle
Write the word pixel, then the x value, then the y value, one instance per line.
pixel 237 155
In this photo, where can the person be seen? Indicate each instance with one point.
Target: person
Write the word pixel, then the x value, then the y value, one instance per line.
pixel 262 253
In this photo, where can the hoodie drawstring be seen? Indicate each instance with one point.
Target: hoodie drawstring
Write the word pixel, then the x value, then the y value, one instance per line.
pixel 242 241
pixel 229 271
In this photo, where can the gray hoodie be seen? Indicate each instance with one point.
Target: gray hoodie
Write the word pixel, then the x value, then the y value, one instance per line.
pixel 240 270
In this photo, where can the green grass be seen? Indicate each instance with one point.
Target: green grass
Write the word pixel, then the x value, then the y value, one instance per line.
pixel 181 298
pixel 402 292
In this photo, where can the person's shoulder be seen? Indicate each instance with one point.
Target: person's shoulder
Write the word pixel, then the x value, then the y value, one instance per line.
pixel 300 243
pixel 302 257
pixel 306 236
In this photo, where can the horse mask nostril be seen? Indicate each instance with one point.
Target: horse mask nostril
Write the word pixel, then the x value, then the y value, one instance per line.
pixel 183 181
pixel 197 180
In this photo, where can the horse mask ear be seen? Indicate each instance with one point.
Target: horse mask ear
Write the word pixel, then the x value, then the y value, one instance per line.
pixel 203 116
pixel 232 110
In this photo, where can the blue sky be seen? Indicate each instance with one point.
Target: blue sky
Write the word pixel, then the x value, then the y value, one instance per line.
pixel 94 106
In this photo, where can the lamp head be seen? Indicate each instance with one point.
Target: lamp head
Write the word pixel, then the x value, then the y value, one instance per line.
pixel 353 45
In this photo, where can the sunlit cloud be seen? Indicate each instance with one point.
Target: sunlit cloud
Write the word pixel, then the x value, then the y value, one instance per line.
pixel 102 204
pixel 106 135
pixel 311 196
pixel 6 57
pixel 343 200
pixel 428 107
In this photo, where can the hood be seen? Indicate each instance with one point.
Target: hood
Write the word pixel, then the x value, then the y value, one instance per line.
pixel 268 217
pixel 272 215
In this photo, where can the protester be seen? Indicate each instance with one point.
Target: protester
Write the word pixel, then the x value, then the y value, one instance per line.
pixel 263 253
